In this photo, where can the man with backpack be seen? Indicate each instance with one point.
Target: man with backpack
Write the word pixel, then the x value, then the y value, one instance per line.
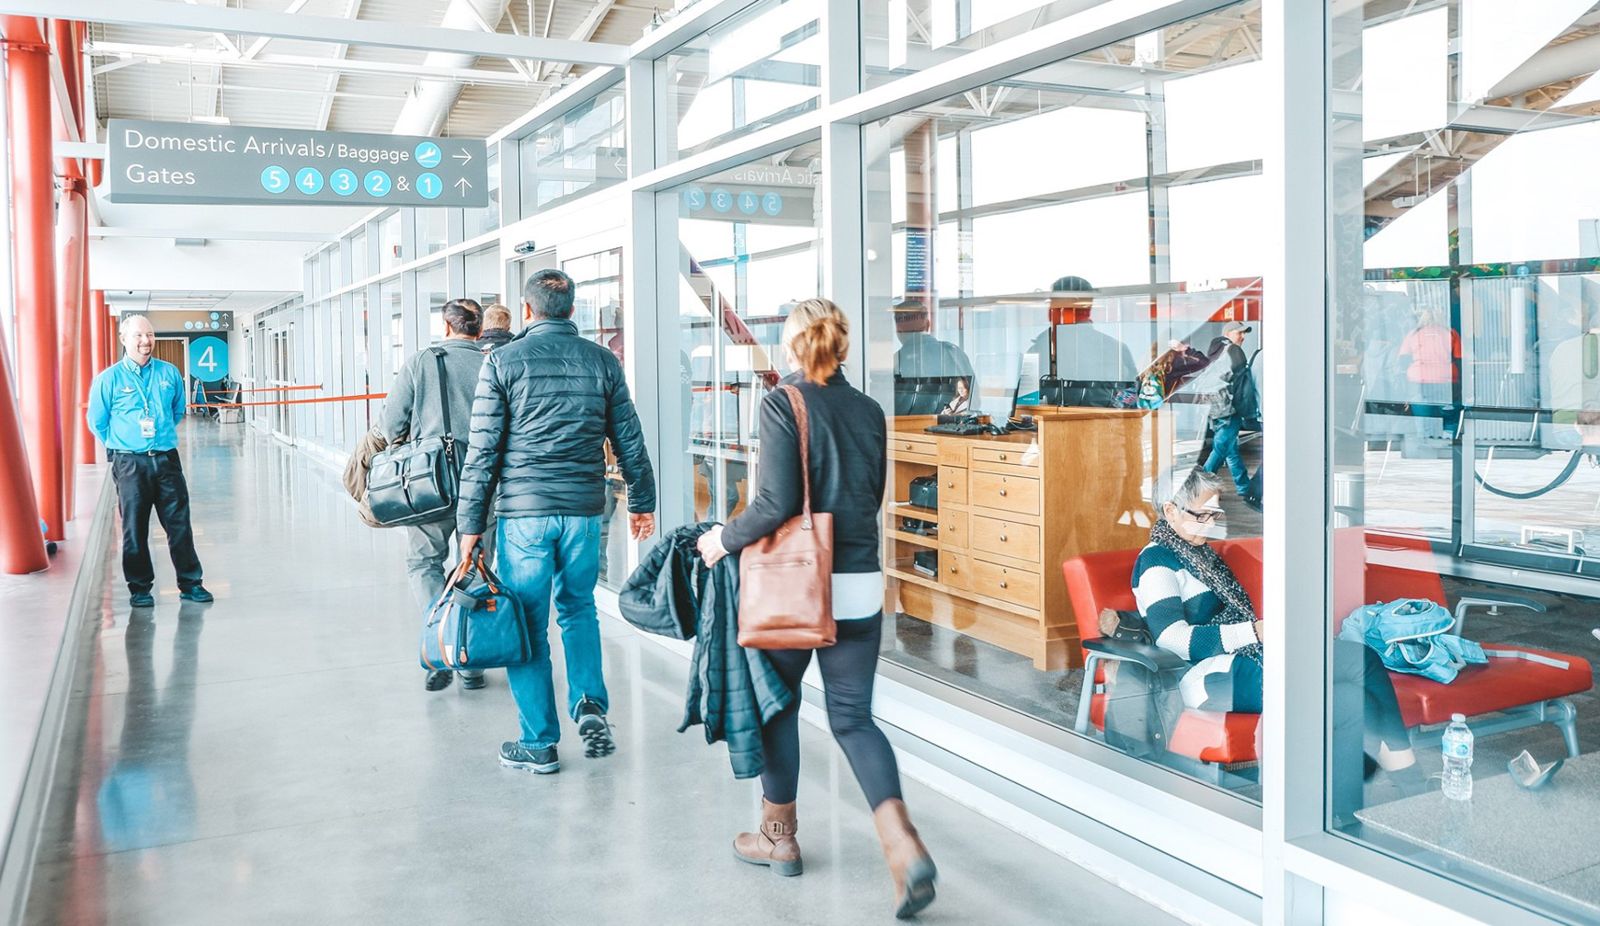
pixel 418 406
pixel 1233 400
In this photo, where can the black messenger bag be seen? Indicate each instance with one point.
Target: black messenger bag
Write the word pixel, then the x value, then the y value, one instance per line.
pixel 416 481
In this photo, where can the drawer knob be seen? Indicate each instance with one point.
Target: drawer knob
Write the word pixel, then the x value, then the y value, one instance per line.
pixel 1002 538
pixel 1002 456
pixel 1002 492
pixel 954 570
pixel 1002 583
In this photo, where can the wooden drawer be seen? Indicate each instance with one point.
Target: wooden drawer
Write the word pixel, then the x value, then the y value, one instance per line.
pixel 985 457
pixel 953 529
pixel 952 486
pixel 925 450
pixel 1005 538
pixel 955 570
pixel 1018 586
pixel 1002 491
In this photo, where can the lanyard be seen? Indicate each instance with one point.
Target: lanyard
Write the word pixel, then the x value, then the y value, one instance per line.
pixel 138 383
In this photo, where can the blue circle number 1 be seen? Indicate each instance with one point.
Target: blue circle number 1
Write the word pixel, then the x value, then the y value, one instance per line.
pixel 429 185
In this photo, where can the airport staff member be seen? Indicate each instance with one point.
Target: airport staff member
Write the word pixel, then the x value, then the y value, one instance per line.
pixel 134 408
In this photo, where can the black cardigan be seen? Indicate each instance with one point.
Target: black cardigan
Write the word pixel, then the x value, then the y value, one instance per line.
pixel 849 461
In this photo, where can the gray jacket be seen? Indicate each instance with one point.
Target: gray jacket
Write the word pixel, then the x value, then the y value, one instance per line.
pixel 412 411
pixel 1224 376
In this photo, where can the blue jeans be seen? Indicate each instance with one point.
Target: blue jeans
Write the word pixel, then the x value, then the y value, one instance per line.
pixel 533 554
pixel 1225 449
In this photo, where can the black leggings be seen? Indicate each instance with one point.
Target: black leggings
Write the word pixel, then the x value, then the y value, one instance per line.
pixel 848 669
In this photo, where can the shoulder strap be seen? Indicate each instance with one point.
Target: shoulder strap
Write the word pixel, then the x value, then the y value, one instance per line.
pixel 802 424
pixel 444 391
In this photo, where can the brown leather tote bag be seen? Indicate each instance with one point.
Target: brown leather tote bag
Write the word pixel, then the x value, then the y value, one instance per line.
pixel 786 579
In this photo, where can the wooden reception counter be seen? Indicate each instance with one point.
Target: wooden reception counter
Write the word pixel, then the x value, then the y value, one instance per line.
pixel 1011 508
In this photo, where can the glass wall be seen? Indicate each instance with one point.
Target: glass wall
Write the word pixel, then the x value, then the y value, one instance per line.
pixel 487 219
pixel 583 150
pixel 1466 405
pixel 1069 310
pixel 431 292
pixel 598 312
pixel 749 249
pixel 755 70
pixel 485 277
pixel 391 245
pixel 902 37
pixel 433 227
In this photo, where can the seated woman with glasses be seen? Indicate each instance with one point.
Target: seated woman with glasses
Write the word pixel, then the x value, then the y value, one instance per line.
pixel 1196 609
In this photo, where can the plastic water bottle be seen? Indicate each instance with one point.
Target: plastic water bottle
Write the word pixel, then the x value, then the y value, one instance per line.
pixel 1457 747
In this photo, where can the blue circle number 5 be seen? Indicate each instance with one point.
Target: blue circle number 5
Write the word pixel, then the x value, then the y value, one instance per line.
pixel 274 179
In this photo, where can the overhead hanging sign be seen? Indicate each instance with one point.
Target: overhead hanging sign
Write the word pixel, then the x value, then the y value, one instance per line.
pixel 182 162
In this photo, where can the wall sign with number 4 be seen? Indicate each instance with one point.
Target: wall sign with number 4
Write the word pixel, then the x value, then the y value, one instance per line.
pixel 208 359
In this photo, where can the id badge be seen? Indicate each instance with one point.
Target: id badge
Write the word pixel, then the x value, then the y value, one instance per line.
pixel 147 427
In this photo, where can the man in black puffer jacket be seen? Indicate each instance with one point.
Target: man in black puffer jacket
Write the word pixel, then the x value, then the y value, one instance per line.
pixel 546 405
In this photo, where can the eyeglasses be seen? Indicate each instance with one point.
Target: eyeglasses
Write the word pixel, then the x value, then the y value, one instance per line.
pixel 1204 515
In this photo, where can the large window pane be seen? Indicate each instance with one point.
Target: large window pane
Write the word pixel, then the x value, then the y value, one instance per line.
pixel 1466 421
pixel 1032 251
pixel 485 279
pixel 597 311
pixel 758 69
pixel 583 150
pixel 749 250
pixel 431 292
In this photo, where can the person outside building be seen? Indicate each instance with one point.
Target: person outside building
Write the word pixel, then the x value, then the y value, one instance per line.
pixel 545 406
pixel 496 331
pixel 1233 388
pixel 414 410
pixel 848 466
pixel 134 409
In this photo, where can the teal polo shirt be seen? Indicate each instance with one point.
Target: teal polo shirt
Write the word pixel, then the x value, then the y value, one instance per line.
pixel 124 393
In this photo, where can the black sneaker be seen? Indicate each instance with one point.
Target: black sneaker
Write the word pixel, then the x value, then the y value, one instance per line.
pixel 538 761
pixel 142 600
pixel 594 730
pixel 472 681
pixel 197 593
pixel 439 680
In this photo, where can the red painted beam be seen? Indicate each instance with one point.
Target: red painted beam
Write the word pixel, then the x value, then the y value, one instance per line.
pixel 33 243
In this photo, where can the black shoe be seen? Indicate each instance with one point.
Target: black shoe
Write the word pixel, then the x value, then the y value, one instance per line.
pixel 439 680
pixel 142 600
pixel 538 761
pixel 472 681
pixel 197 593
pixel 594 730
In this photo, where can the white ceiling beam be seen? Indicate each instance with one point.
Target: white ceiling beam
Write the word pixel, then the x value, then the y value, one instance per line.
pixel 584 32
pixel 260 43
pixel 167 53
pixel 352 9
pixel 217 234
pixel 163 15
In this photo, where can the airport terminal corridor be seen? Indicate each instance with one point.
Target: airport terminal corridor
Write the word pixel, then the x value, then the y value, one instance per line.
pixel 272 757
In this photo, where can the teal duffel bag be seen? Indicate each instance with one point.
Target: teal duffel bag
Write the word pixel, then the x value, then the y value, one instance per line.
pixel 476 624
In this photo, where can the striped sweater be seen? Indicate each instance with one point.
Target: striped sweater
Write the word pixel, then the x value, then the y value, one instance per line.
pixel 1179 609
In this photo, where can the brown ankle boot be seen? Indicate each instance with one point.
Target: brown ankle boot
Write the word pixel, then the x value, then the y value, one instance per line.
pixel 775 845
pixel 909 863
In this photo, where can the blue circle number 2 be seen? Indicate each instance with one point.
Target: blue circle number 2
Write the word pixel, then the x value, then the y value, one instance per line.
pixel 378 183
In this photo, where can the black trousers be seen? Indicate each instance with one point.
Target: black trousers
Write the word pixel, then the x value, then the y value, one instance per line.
pixel 848 669
pixel 146 482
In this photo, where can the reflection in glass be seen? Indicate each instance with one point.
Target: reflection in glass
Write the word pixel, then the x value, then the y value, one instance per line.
pixel 757 69
pixel 749 250
pixel 1034 245
pixel 1465 267
pixel 597 311
pixel 583 150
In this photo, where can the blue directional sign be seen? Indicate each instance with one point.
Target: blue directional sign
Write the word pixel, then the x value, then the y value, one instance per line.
pixel 772 204
pixel 694 198
pixel 173 162
pixel 343 181
pixel 208 359
pixel 749 203
pixel 274 179
pixel 721 200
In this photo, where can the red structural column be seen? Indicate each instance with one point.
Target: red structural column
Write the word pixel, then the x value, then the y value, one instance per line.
pixel 21 546
pixel 71 222
pixel 33 243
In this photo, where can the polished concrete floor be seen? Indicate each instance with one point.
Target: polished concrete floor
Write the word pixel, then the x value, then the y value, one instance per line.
pixel 273 758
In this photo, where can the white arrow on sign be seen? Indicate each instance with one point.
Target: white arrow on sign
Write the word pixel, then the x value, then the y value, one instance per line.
pixel 463 185
pixel 465 157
